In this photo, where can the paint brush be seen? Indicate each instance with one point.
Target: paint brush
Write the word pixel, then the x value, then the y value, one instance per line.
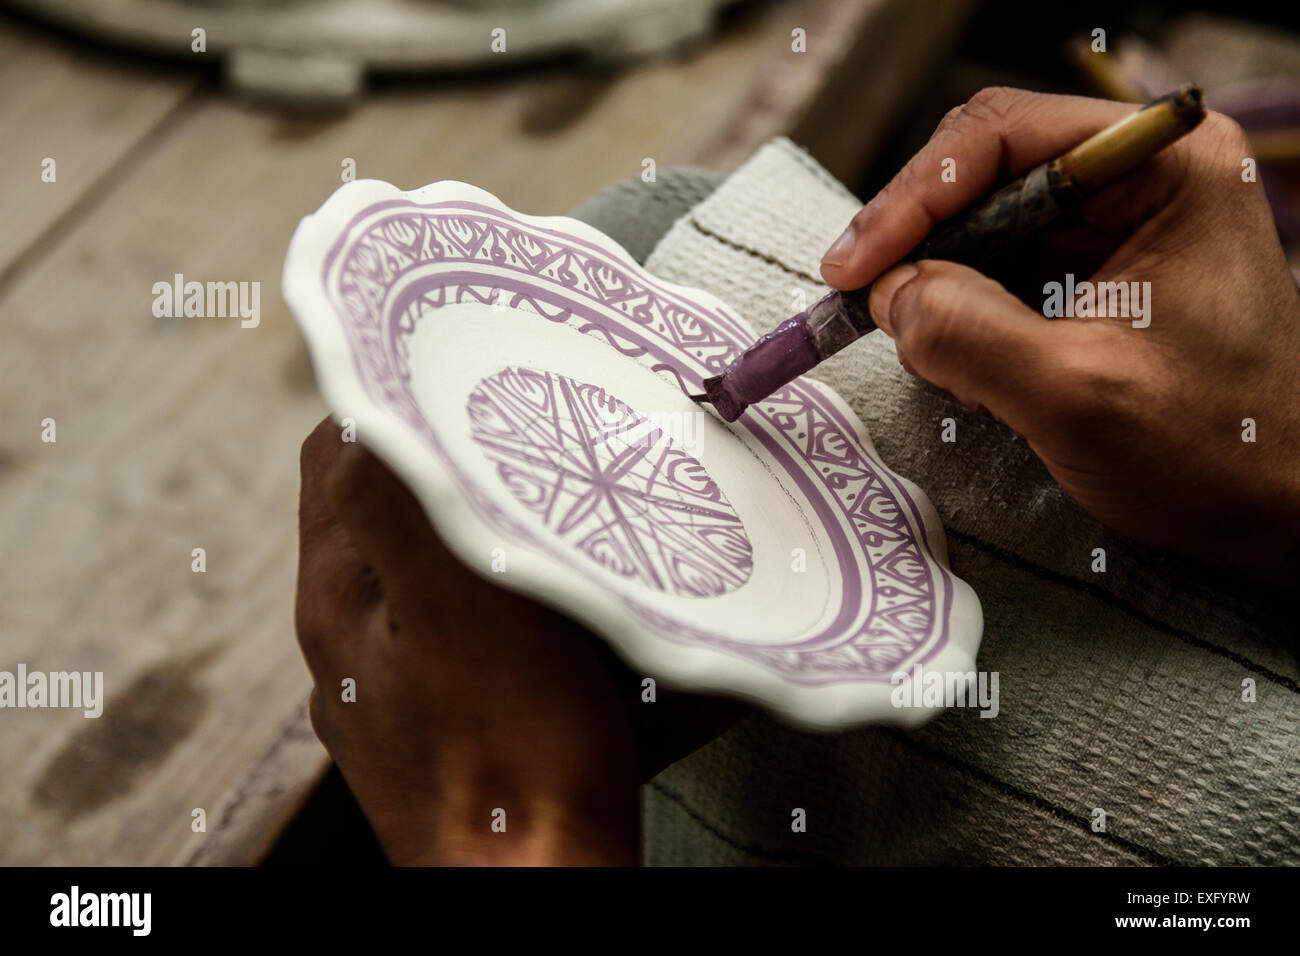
pixel 980 235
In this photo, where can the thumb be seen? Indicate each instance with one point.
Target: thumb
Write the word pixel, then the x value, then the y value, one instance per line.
pixel 965 333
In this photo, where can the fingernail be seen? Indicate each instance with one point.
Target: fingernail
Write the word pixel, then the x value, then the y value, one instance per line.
pixel 841 249
pixel 882 294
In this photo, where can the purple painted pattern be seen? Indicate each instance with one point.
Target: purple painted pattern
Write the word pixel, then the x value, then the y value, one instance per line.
pixel 607 481
pixel 398 259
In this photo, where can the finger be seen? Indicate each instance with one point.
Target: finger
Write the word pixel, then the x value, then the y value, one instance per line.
pixel 389 528
pixel 320 450
pixel 335 588
pixel 968 335
pixel 1000 132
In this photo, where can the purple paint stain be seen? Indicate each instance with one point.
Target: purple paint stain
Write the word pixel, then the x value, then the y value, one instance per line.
pixel 779 357
pixel 610 483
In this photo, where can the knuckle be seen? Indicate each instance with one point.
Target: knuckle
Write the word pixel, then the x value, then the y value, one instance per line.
pixel 929 312
pixel 951 119
pixel 1077 388
pixel 305 452
pixel 993 103
pixel 319 716
pixel 1226 129
pixel 1094 389
pixel 307 626
pixel 1228 144
pixel 863 215
pixel 310 448
pixel 319 440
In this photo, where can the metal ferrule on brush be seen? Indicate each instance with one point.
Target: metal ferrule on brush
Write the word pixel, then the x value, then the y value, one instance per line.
pixel 832 324
pixel 778 358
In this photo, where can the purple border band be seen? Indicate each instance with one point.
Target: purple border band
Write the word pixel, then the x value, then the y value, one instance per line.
pixel 771 437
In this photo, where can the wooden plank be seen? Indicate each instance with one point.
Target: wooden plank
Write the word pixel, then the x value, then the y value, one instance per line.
pixel 262 800
pixel 84 109
pixel 175 434
pixel 882 67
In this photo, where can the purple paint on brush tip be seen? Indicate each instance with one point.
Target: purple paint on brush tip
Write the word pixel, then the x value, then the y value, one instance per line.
pixel 779 357
pixel 718 395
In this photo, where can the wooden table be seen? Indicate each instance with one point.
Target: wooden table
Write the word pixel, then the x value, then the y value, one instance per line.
pixel 176 434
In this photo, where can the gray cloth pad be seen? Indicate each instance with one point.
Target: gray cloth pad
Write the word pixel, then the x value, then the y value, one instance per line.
pixel 1121 691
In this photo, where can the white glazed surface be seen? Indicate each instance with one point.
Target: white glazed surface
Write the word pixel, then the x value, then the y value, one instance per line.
pixel 739 619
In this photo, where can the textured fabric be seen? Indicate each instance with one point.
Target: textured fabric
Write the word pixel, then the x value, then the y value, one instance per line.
pixel 1120 691
pixel 636 214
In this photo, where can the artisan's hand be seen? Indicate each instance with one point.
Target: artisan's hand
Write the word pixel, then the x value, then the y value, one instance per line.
pixel 468 698
pixel 1141 426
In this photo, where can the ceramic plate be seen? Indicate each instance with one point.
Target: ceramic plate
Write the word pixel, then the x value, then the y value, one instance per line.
pixel 528 381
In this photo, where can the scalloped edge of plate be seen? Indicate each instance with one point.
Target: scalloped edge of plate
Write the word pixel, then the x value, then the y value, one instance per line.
pixel 828 706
